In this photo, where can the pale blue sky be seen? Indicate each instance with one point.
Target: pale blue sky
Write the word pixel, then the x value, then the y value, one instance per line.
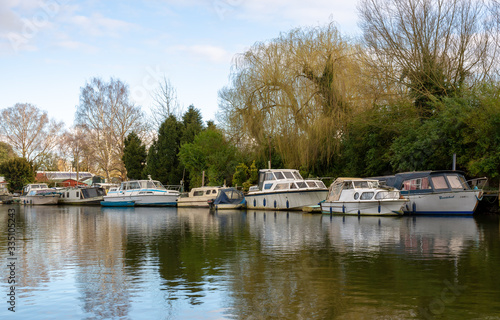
pixel 49 49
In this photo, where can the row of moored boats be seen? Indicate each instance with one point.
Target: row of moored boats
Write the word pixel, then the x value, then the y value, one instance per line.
pixel 425 192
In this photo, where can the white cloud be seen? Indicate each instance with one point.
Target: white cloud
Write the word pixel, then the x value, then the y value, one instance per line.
pixel 295 13
pixel 207 52
pixel 98 25
pixel 76 45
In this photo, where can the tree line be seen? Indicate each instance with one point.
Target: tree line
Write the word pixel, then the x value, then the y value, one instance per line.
pixel 421 84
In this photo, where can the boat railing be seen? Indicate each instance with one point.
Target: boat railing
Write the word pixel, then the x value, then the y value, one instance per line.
pixel 175 187
pixel 477 183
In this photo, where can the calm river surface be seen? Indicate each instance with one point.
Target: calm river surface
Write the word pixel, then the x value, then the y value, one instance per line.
pixel 169 263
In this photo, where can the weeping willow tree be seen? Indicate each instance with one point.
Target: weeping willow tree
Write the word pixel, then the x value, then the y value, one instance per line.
pixel 296 91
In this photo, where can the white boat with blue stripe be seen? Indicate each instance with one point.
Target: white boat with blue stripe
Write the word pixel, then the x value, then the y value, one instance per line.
pixel 285 189
pixel 440 192
pixel 141 193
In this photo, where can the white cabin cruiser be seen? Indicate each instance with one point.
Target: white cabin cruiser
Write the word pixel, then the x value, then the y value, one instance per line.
pixel 198 197
pixel 362 197
pixel 141 193
pixel 39 194
pixel 284 189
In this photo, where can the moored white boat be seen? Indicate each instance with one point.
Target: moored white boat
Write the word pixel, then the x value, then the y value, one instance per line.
pixel 198 197
pixel 82 195
pixel 39 194
pixel 284 189
pixel 362 197
pixel 141 193
pixel 436 192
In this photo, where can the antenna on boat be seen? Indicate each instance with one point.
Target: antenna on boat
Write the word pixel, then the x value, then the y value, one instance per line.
pixel 269 162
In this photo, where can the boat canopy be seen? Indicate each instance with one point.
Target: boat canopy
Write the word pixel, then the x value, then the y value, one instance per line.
pixel 427 180
pixel 229 196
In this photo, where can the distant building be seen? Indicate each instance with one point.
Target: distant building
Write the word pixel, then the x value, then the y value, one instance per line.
pixel 61 176
pixel 72 183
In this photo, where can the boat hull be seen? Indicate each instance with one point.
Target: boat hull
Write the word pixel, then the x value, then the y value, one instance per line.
pixel 287 200
pixel 145 200
pixel 443 203
pixel 193 203
pixel 229 206
pixel 372 208
pixel 117 203
pixel 40 200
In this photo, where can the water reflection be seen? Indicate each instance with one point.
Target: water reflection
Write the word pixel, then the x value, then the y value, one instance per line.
pixel 126 263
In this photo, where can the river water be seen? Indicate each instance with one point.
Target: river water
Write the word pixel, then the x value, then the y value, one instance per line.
pixel 71 262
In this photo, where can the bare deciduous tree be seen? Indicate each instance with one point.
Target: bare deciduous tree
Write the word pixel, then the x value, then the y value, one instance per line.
pixel 432 47
pixel 165 103
pixel 29 130
pixel 106 117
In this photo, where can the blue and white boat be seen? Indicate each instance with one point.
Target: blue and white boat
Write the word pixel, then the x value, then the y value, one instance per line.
pixel 285 189
pixel 141 193
pixel 439 192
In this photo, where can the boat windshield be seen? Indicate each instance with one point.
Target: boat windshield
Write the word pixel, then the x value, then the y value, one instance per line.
pixel 297 175
pixel 439 182
pixel 158 185
pixel 288 175
pixel 457 182
pixel 269 176
pixel 279 175
pixel 365 184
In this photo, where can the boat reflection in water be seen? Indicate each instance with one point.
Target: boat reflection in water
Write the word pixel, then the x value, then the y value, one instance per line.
pixel 185 263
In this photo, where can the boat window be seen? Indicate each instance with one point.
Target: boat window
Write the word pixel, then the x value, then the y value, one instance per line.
pixel 320 184
pixel 279 175
pixel 301 184
pixel 268 186
pixel 270 176
pixel 356 196
pixel 197 193
pixel 67 194
pixel 387 195
pixel 288 175
pixel 347 185
pixel 361 184
pixel 293 186
pixel 134 185
pixel 439 182
pixel 207 192
pixel 297 175
pixel 151 185
pixel 282 186
pixel 367 195
pixel 214 191
pixel 455 182
pixel 311 184
pixel 416 184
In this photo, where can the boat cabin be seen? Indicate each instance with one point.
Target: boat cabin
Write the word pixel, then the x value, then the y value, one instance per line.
pixel 141 184
pixel 284 179
pixel 427 181
pixel 34 187
pixel 358 189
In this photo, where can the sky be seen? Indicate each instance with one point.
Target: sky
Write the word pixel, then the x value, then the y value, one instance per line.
pixel 50 49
